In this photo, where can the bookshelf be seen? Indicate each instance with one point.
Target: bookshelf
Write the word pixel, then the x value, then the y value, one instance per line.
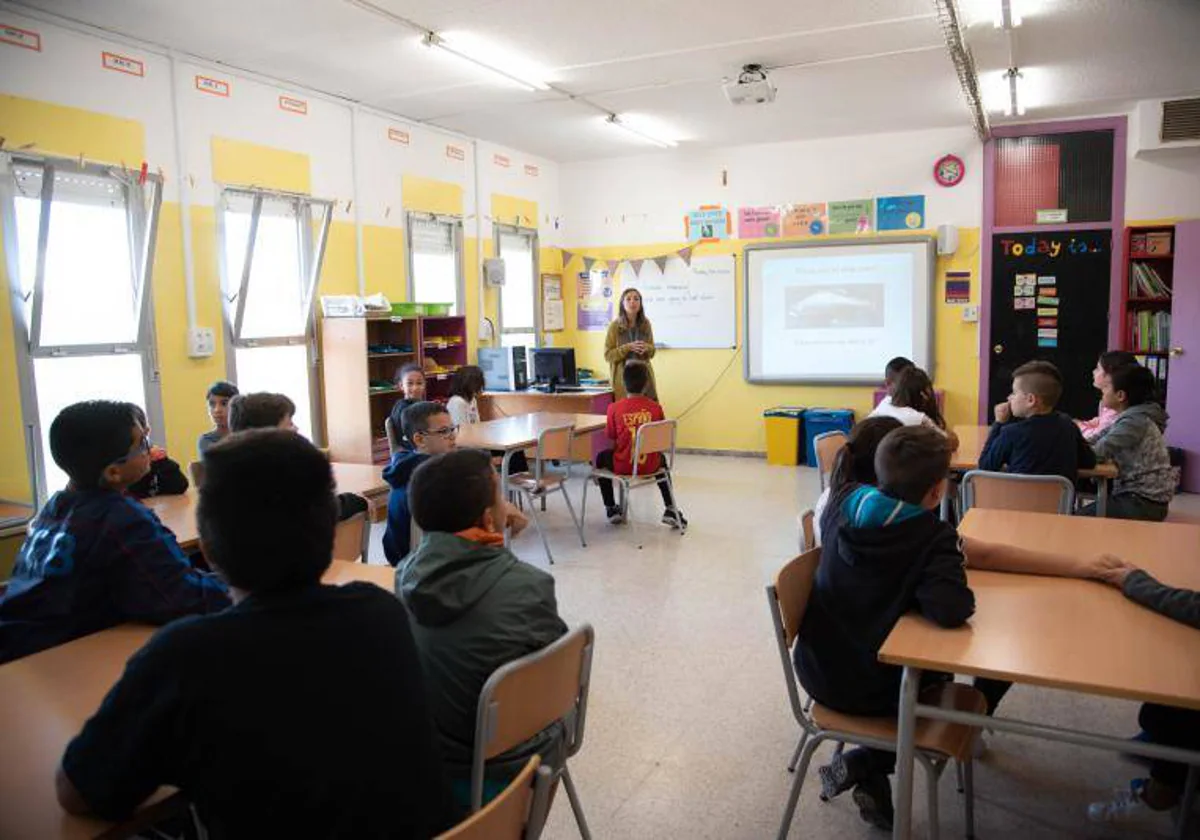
pixel 1147 296
pixel 361 359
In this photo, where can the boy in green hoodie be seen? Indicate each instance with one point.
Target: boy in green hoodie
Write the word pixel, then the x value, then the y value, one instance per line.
pixel 474 605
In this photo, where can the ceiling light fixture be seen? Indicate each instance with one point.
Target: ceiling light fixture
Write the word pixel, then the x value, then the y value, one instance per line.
pixel 661 142
pixel 1012 102
pixel 1006 16
pixel 491 60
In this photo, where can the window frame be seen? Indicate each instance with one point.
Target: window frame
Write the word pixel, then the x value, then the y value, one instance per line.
pixel 142 218
pixel 456 225
pixel 311 253
pixel 499 230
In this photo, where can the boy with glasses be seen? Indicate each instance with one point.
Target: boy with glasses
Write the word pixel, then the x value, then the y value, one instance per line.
pixel 430 431
pixel 96 557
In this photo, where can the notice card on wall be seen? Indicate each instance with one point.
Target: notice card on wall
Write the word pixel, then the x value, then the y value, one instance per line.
pixel 553 315
pixel 806 220
pixel 709 223
pixel 758 223
pixel 595 305
pixel 900 212
pixel 851 216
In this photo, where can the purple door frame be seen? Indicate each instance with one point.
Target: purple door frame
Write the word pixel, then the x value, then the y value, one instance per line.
pixel 1116 225
pixel 1183 388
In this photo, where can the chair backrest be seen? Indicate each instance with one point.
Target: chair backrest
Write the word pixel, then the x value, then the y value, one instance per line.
pixel 393 436
pixel 658 436
pixel 553 445
pixel 808 534
pixel 351 539
pixel 787 599
pixel 527 695
pixel 827 445
pixel 508 815
pixel 196 468
pixel 1007 491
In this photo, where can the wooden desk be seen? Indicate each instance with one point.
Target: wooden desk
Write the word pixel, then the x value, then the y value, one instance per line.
pixel 1071 634
pixel 495 405
pixel 179 512
pixel 45 700
pixel 970 446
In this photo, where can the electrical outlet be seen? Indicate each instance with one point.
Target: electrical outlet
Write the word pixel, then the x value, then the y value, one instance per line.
pixel 202 342
pixel 970 314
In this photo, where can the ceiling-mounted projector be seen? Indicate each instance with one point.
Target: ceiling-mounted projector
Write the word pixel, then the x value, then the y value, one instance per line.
pixel 752 87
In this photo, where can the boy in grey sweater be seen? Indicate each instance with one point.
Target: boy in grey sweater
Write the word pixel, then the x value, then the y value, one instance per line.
pixel 1134 442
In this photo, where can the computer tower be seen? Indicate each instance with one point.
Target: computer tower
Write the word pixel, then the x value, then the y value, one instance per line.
pixel 504 368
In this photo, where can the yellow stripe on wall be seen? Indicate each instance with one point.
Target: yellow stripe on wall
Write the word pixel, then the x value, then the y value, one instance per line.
pixel 251 165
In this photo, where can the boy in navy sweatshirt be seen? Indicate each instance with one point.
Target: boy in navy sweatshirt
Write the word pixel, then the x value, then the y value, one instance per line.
pixel 96 557
pixel 1029 436
pixel 430 431
pixel 886 552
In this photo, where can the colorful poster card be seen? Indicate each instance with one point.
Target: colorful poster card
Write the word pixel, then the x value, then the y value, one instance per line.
pixel 758 223
pixel 1047 342
pixel 1046 280
pixel 1023 303
pixel 851 216
pixel 1051 312
pixel 594 309
pixel 958 291
pixel 707 224
pixel 1046 300
pixel 806 220
pixel 1047 322
pixel 1048 333
pixel 900 212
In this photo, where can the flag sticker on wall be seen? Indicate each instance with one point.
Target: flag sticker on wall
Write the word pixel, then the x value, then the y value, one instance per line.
pixel 123 64
pixel 531 170
pixel 20 37
pixel 397 135
pixel 293 105
pixel 214 86
pixel 456 152
pixel 502 161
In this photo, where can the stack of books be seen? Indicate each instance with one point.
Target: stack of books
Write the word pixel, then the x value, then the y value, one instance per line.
pixel 1155 364
pixel 1149 332
pixel 1145 283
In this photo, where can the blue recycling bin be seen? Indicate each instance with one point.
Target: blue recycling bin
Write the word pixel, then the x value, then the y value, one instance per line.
pixel 817 421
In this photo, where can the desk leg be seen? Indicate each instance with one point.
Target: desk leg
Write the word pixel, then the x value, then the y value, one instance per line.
pixel 1189 796
pixel 504 489
pixel 905 753
pixel 1101 497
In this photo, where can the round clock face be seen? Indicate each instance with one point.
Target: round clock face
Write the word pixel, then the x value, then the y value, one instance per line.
pixel 949 170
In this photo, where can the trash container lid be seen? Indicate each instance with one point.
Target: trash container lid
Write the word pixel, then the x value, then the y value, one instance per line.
pixel 829 413
pixel 784 411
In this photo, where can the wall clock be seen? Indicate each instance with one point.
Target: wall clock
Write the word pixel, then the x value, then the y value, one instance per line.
pixel 949 170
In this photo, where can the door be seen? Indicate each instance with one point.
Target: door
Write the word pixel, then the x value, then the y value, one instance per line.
pixel 1050 294
pixel 1183 382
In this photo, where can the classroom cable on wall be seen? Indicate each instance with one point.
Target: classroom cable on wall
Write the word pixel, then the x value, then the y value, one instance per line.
pixel 733 358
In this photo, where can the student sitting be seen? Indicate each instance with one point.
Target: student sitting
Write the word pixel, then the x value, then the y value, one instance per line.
pixel 914 403
pixel 275 411
pixel 1029 437
pixel 1145 480
pixel 219 395
pixel 411 381
pixel 886 552
pixel 430 430
pixel 95 557
pixel 1102 376
pixel 474 605
pixel 1165 725
pixel 258 714
pixel 855 462
pixel 891 375
pixel 165 477
pixel 624 418
pixel 465 387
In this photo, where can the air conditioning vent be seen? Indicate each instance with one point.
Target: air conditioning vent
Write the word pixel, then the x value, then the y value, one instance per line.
pixel 1180 120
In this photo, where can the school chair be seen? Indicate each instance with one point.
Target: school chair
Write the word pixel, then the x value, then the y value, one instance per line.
pixel 938 743
pixel 808 534
pixel 1008 491
pixel 552 444
pixel 518 813
pixel 827 445
pixel 196 470
pixel 527 695
pixel 651 438
pixel 352 539
pixel 393 439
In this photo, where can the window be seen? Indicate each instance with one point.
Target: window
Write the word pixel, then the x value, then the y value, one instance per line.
pixel 272 247
pixel 80 243
pixel 1071 171
pixel 434 260
pixel 519 322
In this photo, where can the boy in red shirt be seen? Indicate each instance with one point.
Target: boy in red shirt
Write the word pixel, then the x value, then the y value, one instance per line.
pixel 624 418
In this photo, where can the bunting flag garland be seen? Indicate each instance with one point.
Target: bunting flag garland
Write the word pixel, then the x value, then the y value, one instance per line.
pixel 588 262
pixel 685 254
pixel 637 266
pixel 567 256
pixel 661 262
pixel 612 266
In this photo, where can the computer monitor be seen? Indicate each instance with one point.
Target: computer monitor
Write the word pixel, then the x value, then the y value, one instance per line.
pixel 555 366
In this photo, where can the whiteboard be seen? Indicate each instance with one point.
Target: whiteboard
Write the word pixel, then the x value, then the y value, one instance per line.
pixel 690 306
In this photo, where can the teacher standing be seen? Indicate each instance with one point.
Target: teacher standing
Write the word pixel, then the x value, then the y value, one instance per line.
pixel 629 337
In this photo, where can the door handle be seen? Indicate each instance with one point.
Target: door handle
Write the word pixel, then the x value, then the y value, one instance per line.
pixel 1175 352
pixel 998 349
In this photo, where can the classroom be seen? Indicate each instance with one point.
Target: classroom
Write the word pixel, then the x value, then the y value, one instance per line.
pixel 439 404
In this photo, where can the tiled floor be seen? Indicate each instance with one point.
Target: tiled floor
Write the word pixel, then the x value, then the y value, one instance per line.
pixel 689 730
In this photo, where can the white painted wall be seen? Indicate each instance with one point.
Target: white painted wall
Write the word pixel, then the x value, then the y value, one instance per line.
pixel 1162 185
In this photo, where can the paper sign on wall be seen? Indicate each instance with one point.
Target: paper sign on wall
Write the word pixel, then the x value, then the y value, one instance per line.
pixel 806 220
pixel 958 291
pixel 553 315
pixel 531 170
pixel 293 105
pixel 595 305
pixel 758 222
pixel 851 216
pixel 398 135
pixel 900 212
pixel 708 224
pixel 455 152
pixel 216 87
pixel 21 38
pixel 502 161
pixel 122 64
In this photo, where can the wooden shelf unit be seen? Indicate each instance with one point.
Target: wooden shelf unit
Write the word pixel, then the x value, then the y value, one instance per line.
pixel 354 410
pixel 1133 301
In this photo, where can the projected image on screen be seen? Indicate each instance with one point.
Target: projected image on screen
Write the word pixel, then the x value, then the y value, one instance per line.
pixel 832 307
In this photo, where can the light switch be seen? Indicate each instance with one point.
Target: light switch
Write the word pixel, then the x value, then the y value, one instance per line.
pixel 970 314
pixel 202 342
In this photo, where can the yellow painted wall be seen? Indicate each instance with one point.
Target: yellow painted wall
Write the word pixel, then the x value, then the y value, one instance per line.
pixel 719 410
pixel 236 162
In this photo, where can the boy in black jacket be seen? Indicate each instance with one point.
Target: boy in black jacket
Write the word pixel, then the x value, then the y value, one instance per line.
pixel 1029 436
pixel 165 477
pixel 886 553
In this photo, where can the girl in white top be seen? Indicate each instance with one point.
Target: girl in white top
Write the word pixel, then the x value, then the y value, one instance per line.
pixel 465 387
pixel 855 462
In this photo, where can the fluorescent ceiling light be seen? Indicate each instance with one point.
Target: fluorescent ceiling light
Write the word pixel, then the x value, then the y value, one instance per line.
pixel 511 67
pixel 639 131
pixel 1012 100
pixel 1006 16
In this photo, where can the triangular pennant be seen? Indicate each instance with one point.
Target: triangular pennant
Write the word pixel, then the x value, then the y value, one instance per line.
pixel 637 266
pixel 612 266
pixel 661 262
pixel 588 262
pixel 567 257
pixel 685 254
